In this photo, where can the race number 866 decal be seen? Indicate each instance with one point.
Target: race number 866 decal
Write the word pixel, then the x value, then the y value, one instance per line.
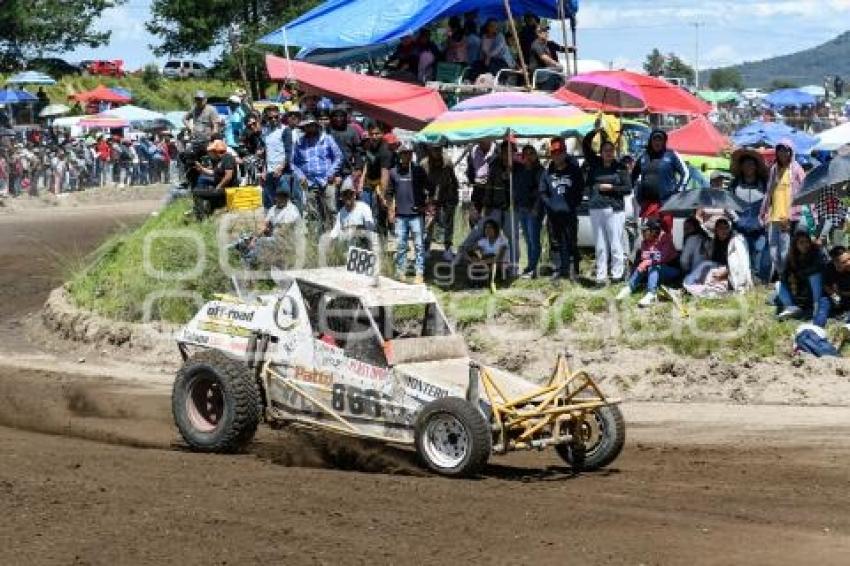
pixel 362 262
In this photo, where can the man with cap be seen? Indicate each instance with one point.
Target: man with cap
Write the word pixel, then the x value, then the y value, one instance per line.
pixel 353 215
pixel 283 212
pixel 221 175
pixel 202 121
pixel 281 231
pixel 410 188
pixel 657 175
pixel 561 190
pixel 316 160
pixel 277 143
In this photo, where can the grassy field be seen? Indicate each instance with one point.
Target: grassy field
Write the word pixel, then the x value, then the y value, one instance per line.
pixel 162 95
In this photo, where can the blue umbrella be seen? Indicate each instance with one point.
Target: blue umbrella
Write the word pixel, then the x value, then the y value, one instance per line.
pixel 15 96
pixel 789 98
pixel 768 134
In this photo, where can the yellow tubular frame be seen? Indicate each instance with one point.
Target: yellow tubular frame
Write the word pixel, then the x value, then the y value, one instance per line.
pixel 534 420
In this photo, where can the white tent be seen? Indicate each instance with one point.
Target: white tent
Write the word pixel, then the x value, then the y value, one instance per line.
pixel 832 139
pixel 134 114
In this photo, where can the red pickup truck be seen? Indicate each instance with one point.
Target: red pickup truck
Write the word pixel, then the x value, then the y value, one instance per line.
pixel 114 68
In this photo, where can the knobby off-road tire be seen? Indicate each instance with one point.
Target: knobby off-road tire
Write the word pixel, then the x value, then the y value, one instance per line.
pixel 612 437
pixel 452 437
pixel 216 403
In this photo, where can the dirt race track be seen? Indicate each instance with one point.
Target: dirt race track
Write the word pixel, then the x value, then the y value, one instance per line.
pixel 91 472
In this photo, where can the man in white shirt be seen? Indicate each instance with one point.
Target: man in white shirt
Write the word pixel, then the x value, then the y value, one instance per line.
pixel 353 215
pixel 283 223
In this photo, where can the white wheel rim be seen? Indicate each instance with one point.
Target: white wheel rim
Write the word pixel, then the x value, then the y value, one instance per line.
pixel 446 441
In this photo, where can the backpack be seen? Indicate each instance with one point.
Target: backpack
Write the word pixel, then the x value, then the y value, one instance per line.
pixel 811 339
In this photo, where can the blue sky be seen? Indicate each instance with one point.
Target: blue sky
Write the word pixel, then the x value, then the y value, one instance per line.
pixel 618 32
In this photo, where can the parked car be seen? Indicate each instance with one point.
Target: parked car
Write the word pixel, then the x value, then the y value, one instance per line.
pixel 183 69
pixel 103 68
pixel 753 94
pixel 53 66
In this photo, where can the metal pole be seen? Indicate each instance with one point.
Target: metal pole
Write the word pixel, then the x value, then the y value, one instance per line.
pixel 512 25
pixel 696 56
pixel 562 15
pixel 575 44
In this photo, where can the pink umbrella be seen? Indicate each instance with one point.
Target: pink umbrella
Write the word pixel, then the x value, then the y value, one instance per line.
pixel 99 121
pixel 610 92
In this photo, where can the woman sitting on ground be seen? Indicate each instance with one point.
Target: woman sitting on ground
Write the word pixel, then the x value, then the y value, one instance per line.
pixel 694 245
pixel 727 267
pixel 490 252
pixel 657 263
pixel 801 286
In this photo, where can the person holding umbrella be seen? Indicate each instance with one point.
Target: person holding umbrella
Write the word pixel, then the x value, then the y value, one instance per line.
pixel 778 214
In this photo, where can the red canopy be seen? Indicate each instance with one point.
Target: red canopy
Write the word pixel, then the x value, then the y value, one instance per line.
pixel 698 137
pixel 396 103
pixel 101 94
pixel 659 96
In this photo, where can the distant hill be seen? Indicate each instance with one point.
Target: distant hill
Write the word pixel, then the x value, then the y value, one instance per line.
pixel 802 68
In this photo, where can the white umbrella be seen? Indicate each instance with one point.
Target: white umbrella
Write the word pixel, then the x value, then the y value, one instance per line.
pixel 54 110
pixel 814 90
pixel 132 113
pixel 832 139
pixel 31 78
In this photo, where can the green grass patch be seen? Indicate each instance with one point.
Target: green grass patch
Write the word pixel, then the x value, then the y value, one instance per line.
pixel 129 271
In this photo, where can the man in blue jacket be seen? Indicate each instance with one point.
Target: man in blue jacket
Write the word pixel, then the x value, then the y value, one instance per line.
pixel 561 190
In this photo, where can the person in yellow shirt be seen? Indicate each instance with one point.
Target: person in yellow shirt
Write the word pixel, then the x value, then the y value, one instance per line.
pixel 778 214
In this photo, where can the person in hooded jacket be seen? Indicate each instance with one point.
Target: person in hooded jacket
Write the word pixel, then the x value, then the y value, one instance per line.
pixel 658 174
pixel 749 183
pixel 801 286
pixel 778 214
pixel 657 263
pixel 727 266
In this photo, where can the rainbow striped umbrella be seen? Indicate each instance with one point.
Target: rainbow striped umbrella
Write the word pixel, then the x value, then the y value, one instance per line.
pixel 498 115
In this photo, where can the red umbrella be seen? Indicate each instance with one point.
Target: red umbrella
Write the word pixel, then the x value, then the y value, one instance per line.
pixel 101 94
pixel 658 96
pixel 396 103
pixel 698 137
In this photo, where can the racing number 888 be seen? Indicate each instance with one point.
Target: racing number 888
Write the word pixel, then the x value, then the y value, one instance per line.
pixel 361 261
pixel 358 401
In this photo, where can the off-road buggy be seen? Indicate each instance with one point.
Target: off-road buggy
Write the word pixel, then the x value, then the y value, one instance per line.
pixel 344 351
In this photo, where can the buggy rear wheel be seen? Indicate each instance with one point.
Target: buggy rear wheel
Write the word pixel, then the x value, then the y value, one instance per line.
pixel 452 437
pixel 216 403
pixel 602 437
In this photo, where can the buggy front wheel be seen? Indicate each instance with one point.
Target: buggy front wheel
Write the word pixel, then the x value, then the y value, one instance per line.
pixel 600 440
pixel 452 437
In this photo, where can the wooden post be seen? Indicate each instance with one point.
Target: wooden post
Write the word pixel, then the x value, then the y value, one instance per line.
pixel 512 24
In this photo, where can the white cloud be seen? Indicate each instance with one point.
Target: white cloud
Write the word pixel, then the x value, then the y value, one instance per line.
pixel 124 24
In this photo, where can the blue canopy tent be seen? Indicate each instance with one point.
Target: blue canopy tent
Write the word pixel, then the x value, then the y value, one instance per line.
pixel 789 98
pixel 338 24
pixel 8 96
pixel 768 134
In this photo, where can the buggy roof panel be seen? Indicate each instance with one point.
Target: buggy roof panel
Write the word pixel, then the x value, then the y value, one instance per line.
pixel 388 293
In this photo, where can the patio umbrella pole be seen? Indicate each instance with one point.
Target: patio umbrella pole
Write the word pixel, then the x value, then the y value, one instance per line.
pixel 575 45
pixel 514 240
pixel 516 41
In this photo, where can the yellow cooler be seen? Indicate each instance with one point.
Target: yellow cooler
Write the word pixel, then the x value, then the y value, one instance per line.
pixel 244 198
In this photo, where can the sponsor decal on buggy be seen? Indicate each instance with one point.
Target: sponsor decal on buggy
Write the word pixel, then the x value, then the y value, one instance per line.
pixel 315 377
pixel 231 313
pixel 191 336
pixel 423 388
pixel 367 371
pixel 224 328
pixel 328 357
